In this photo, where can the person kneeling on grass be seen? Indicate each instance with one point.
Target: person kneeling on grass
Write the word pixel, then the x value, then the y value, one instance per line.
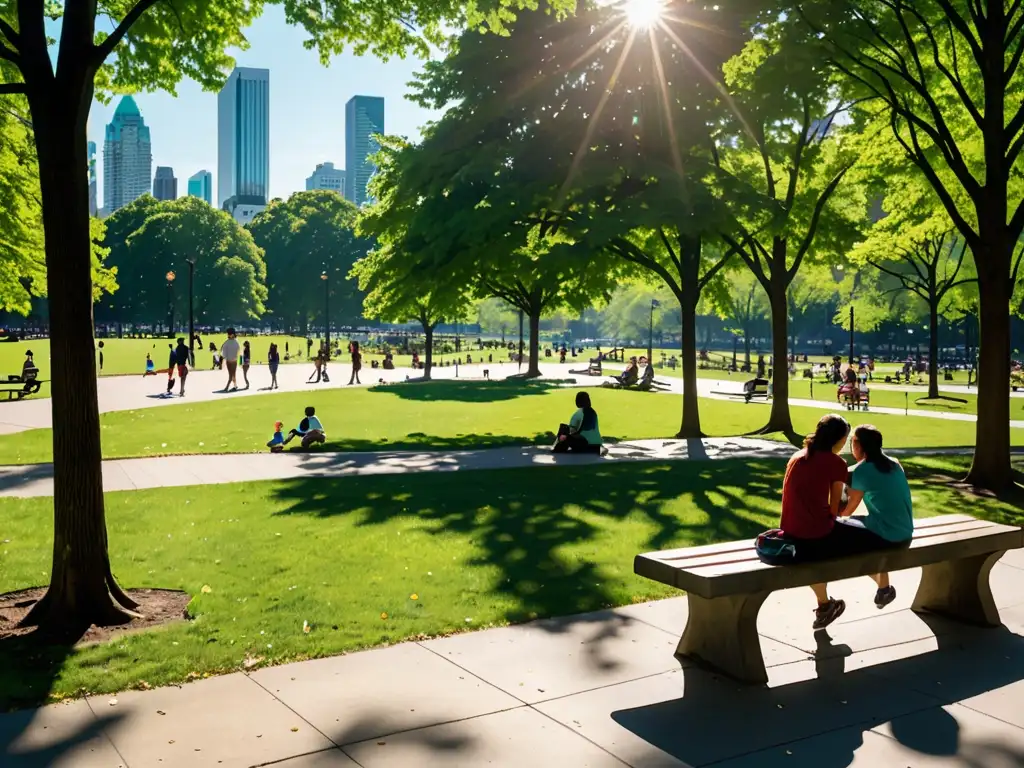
pixel 812 503
pixel 310 430
pixel 581 434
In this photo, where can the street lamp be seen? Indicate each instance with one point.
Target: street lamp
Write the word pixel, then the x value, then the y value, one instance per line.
pixel 170 301
pixel 191 314
pixel 327 311
pixel 650 337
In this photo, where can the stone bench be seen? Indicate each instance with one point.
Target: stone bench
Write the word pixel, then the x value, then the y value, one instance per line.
pixel 726 584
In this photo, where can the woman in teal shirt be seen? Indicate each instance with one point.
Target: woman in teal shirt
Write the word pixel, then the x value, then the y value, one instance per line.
pixel 880 482
pixel 581 434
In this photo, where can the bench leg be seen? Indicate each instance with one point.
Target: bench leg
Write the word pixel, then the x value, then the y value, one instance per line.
pixel 722 633
pixel 960 589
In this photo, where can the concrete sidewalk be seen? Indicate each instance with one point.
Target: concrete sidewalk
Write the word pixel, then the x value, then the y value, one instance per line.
pixel 877 690
pixel 174 471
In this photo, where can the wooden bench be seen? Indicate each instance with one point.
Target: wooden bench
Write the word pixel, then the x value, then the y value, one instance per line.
pixel 18 387
pixel 726 584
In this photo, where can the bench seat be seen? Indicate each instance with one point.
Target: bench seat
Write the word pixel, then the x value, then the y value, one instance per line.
pixel 726 584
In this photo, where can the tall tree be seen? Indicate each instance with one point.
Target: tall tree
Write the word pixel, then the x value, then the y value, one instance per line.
pixel 228 268
pixel 948 75
pixel 781 161
pixel 304 237
pixel 150 45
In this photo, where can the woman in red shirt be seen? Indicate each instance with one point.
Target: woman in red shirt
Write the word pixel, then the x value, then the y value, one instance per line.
pixel 812 494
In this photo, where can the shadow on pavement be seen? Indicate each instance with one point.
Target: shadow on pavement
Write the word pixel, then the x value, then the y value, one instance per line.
pixel 65 747
pixel 820 723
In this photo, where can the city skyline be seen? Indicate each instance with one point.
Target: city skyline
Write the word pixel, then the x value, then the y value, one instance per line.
pixel 127 157
pixel 364 116
pixel 243 137
pixel 307 107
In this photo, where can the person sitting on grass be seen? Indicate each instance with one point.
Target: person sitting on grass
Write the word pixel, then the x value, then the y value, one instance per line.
pixel 310 430
pixel 811 505
pixel 581 434
pixel 276 442
pixel 150 366
pixel 629 376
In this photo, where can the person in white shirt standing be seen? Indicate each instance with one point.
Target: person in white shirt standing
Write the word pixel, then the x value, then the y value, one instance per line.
pixel 229 352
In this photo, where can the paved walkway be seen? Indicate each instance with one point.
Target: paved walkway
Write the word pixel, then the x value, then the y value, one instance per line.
pixel 125 393
pixel 877 690
pixel 173 471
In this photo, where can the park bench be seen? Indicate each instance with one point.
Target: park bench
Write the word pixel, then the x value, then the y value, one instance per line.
pixel 726 584
pixel 594 369
pixel 19 386
pixel 755 388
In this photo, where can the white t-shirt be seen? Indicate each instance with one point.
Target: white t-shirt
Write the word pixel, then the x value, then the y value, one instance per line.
pixel 230 350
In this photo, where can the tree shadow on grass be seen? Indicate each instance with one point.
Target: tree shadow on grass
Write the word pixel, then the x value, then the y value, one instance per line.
pixel 467 391
pixel 523 521
pixel 418 441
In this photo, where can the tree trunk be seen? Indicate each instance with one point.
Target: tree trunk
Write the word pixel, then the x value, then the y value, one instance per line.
pixel 534 370
pixel 933 349
pixel 428 353
pixel 690 426
pixel 82 588
pixel 779 420
pixel 991 466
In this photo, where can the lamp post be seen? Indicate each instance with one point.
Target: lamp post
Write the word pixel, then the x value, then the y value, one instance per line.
pixel 327 311
pixel 650 336
pixel 191 314
pixel 170 301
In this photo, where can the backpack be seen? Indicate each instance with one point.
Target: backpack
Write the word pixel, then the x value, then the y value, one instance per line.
pixel 775 548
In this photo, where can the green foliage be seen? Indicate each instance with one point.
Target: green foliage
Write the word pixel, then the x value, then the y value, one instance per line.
pixel 149 239
pixel 307 236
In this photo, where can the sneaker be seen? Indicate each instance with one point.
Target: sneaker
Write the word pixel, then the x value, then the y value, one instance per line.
pixel 827 613
pixel 884 596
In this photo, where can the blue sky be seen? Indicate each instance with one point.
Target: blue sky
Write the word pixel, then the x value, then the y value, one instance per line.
pixel 307 109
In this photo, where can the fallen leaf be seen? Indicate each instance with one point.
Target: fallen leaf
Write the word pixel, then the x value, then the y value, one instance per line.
pixel 384 615
pixel 160 712
pixel 112 702
pixel 294 729
pixel 414 596
pixel 207 589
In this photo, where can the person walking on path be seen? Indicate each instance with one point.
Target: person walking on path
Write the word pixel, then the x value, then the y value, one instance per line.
pixel 181 360
pixel 273 361
pixel 246 361
pixel 171 365
pixel 229 352
pixel 357 362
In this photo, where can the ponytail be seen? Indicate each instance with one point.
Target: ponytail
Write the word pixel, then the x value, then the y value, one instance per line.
pixel 870 440
pixel 830 430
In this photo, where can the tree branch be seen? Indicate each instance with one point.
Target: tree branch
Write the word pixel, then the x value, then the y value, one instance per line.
pixel 104 49
pixel 958 21
pixel 819 206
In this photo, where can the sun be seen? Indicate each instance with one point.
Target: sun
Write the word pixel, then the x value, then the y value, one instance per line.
pixel 643 14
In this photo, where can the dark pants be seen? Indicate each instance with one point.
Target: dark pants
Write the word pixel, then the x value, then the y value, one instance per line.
pixel 847 537
pixel 572 442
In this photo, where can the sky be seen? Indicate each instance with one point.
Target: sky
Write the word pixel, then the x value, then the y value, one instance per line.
pixel 307 109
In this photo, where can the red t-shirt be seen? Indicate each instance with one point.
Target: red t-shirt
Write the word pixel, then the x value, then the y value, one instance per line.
pixel 806 513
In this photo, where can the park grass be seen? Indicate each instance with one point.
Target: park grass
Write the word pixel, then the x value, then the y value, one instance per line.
pixel 446 415
pixel 375 560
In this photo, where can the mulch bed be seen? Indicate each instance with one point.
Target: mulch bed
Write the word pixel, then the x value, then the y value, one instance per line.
pixel 158 607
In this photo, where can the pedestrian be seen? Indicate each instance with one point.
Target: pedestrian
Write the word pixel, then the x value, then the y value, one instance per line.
pixel 309 347
pixel 246 361
pixel 171 365
pixel 317 363
pixel 101 356
pixel 182 357
pixel 274 360
pixel 229 352
pixel 357 362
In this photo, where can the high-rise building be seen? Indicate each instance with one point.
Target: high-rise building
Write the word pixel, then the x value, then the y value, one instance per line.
pixel 127 157
pixel 326 176
pixel 243 137
pixel 165 186
pixel 91 149
pixel 364 116
pixel 201 185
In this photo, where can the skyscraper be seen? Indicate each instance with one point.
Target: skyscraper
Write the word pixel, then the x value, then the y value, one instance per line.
pixel 165 186
pixel 243 137
pixel 91 150
pixel 364 115
pixel 127 157
pixel 201 185
pixel 326 176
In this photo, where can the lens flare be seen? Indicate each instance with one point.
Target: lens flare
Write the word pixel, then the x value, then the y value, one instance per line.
pixel 643 14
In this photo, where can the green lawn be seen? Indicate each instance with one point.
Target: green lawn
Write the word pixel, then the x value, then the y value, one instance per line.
pixel 374 560
pixel 444 415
